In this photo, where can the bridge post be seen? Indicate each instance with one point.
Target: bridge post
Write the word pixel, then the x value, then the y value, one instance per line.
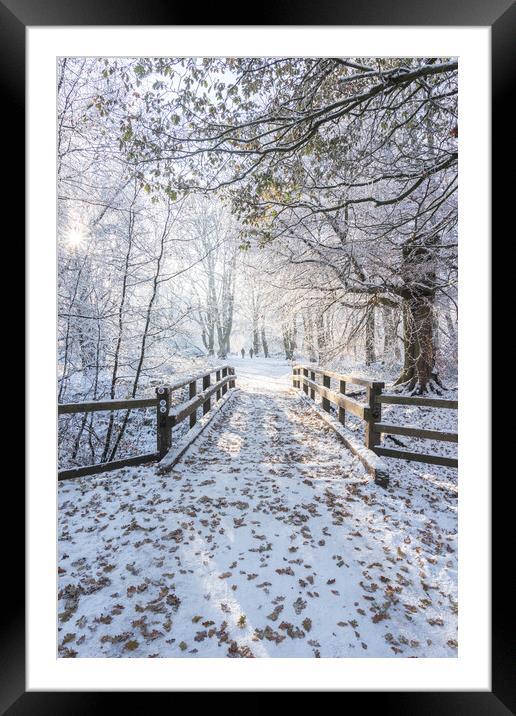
pixel 192 392
pixel 217 378
pixel 163 425
pixel 327 384
pixel 312 390
pixel 225 386
pixel 231 382
pixel 206 381
pixel 305 387
pixel 372 435
pixel 342 412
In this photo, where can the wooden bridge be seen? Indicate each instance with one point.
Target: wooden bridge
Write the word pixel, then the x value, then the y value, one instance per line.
pixel 327 392
pixel 265 536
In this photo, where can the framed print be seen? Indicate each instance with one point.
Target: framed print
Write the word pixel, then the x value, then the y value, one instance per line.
pixel 257 283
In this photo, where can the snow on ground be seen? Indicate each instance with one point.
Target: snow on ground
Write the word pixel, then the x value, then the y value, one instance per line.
pixel 268 539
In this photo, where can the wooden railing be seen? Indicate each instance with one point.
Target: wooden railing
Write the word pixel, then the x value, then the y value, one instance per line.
pixel 304 378
pixel 168 416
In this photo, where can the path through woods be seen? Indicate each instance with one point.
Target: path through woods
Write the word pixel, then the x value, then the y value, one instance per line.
pixel 268 539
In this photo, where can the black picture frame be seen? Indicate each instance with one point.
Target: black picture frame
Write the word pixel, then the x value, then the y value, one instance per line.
pixel 500 15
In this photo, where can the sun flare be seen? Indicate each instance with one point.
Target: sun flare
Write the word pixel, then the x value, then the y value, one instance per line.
pixel 75 237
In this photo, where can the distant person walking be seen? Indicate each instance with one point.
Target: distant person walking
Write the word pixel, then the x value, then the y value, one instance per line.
pixel 251 352
pixel 243 352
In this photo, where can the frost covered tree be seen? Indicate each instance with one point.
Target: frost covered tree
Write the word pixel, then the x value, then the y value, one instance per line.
pixel 345 167
pixel 364 147
pixel 211 234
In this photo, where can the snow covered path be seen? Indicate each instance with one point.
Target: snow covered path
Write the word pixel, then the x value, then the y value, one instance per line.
pixel 268 539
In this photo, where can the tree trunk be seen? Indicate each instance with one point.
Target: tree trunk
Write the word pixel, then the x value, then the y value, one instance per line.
pixel 287 344
pixel 418 374
pixel 121 328
pixel 146 330
pixel 370 356
pixel 256 339
pixel 321 340
pixel 265 345
pixel 289 340
pixel 389 333
pixel 452 335
pixel 309 342
pixel 208 333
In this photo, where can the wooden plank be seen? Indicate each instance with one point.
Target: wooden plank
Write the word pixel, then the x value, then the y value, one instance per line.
pixel 361 411
pixel 206 406
pixel 101 405
pixel 325 400
pixel 163 428
pixel 417 456
pixel 418 400
pixel 183 410
pixel 372 435
pixel 342 411
pixel 354 379
pixel 305 387
pixel 179 412
pixel 196 376
pixel 343 401
pixel 369 459
pixel 412 431
pixel 106 466
pixel 179 449
pixel 192 391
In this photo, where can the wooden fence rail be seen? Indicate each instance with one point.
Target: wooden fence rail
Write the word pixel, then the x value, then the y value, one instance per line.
pixel 304 377
pixel 167 416
pixel 105 405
